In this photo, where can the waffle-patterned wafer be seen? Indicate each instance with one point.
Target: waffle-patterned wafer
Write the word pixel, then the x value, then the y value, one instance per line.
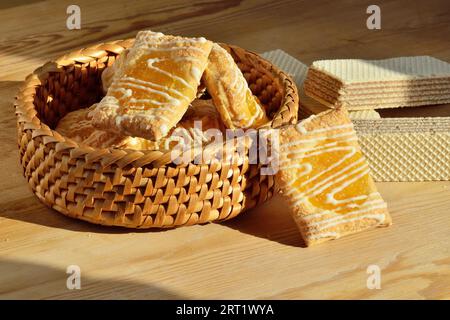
pixel 375 84
pixel 397 92
pixel 326 179
pixel 407 149
pixel 326 81
pixel 378 101
pixel 229 90
pixel 351 71
pixel 158 81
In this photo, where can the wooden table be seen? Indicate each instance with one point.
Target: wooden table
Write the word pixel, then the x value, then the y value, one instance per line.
pixel 259 254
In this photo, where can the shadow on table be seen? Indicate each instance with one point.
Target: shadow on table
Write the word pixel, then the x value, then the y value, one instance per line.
pixel 24 280
pixel 271 220
pixel 31 210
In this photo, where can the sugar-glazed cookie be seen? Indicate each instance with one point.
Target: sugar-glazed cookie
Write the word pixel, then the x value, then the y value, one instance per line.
pixel 326 178
pixel 77 125
pixel 157 82
pixel 113 71
pixel 191 131
pixel 229 90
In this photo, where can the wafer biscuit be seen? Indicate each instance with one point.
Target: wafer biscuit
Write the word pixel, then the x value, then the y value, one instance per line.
pixel 382 86
pixel 366 84
pixel 406 149
pixel 350 71
pixel 337 85
pixel 379 104
pixel 346 93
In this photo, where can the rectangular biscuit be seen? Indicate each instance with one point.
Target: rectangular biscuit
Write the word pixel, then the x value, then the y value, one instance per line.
pixel 326 179
pixel 384 87
pixel 229 90
pixel 375 103
pixel 384 92
pixel 351 71
pixel 331 82
pixel 158 80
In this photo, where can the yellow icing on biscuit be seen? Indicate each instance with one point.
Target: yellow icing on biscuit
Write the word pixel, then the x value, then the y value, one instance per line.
pixel 327 180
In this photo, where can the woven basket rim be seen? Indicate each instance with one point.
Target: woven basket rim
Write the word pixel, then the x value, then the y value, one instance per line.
pixel 28 117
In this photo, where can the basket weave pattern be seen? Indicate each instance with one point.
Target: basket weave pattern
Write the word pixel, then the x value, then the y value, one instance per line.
pixel 136 189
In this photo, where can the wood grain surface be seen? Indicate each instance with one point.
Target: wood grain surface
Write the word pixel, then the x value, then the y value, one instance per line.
pixel 259 254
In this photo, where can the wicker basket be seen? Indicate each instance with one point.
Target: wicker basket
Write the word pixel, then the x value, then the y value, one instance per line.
pixel 136 189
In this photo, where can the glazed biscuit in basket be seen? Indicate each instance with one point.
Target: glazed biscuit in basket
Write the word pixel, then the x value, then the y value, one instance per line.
pixel 229 90
pixel 191 131
pixel 202 107
pixel 77 125
pixel 158 81
pixel 205 114
pixel 326 179
pixel 113 71
pixel 200 117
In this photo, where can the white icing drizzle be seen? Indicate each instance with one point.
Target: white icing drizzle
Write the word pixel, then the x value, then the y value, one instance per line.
pixel 301 128
pixel 196 72
pixel 239 86
pixel 331 196
pixel 288 145
pixel 249 122
pixel 164 129
pixel 123 117
pixel 299 153
pixel 333 184
pixel 322 235
pixel 164 48
pixel 167 98
pixel 379 217
pixel 329 181
pixel 168 105
pixel 150 65
pixel 327 213
pixel 141 84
